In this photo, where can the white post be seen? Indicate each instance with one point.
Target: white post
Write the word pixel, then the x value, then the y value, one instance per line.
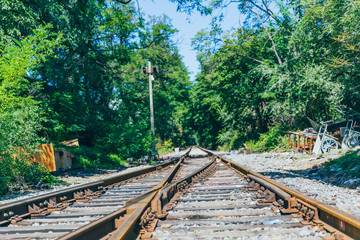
pixel 151 78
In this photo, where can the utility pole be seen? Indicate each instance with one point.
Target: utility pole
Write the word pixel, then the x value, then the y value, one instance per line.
pixel 151 78
pixel 150 71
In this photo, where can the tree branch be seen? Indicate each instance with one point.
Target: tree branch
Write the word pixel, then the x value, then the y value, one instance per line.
pixel 267 33
pixel 269 12
pixel 254 59
pixel 123 2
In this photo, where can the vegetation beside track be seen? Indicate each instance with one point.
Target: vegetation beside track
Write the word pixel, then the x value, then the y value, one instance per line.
pixel 273 140
pixel 347 165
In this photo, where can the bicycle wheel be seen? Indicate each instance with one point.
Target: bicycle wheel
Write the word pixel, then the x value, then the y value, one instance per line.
pixel 352 142
pixel 329 144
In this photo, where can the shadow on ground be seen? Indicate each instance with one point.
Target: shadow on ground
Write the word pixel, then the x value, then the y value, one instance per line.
pixel 318 173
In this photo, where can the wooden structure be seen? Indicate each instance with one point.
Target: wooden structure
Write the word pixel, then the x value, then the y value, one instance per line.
pixel 302 141
pixel 63 159
pixel 53 160
pixel 71 143
pixel 46 156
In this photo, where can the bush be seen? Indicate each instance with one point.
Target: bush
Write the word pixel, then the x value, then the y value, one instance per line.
pixel 230 140
pixel 20 172
pixel 87 157
pixel 164 148
pixel 268 141
pixel 20 115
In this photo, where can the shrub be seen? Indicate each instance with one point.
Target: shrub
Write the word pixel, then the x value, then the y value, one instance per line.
pixel 88 157
pixel 21 172
pixel 268 141
pixel 164 148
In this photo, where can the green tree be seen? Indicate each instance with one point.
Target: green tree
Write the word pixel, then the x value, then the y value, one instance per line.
pixel 291 60
pixel 20 115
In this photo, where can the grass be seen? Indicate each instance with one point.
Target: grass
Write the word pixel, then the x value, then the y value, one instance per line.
pixel 273 140
pixel 349 163
pixel 164 148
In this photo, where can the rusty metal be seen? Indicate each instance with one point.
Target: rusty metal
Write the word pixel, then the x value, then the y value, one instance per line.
pixel 302 141
pixel 121 224
pixel 274 193
pixel 149 200
pixel 166 197
pixel 59 200
pixel 207 213
pixel 343 222
pixel 146 209
pixel 148 203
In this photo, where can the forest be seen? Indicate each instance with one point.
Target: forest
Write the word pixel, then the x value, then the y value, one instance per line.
pixel 72 69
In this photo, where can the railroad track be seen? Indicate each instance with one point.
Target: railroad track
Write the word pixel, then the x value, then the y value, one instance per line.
pixel 53 215
pixel 84 210
pixel 199 196
pixel 223 206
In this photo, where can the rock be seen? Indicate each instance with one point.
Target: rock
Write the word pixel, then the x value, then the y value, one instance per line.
pixel 166 225
pixel 241 150
pixel 350 182
pixel 296 172
pixel 275 221
pixel 334 151
pixel 355 169
pixel 247 151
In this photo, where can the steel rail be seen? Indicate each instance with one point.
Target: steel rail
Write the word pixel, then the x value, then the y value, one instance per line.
pixel 167 193
pixel 121 223
pixel 20 209
pixel 340 220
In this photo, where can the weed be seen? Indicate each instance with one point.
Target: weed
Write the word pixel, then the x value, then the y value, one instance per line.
pixel 349 163
pixel 164 148
pixel 271 140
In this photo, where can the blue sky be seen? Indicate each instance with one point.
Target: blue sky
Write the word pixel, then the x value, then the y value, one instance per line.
pixel 188 26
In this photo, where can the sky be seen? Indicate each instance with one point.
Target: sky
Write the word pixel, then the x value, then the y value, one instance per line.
pixel 188 26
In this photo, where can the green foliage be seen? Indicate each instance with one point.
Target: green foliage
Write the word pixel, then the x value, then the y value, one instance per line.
pixel 291 60
pixel 165 147
pixel 19 173
pixel 91 86
pixel 273 139
pixel 71 69
pixel 90 157
pixel 20 115
pixel 231 140
pixel 350 163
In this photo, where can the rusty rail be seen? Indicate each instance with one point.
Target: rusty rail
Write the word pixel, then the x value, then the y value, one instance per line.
pixel 121 224
pixel 166 195
pixel 19 210
pixel 334 218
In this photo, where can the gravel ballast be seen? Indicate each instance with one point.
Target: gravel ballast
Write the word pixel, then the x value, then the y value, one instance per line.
pixel 299 171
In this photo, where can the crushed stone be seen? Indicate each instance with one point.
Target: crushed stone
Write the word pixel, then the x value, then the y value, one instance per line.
pixel 301 172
